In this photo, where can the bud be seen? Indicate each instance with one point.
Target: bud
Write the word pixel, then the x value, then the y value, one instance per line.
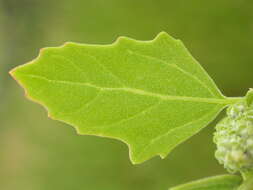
pixel 234 138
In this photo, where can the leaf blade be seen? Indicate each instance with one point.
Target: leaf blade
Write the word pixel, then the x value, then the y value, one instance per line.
pixel 149 95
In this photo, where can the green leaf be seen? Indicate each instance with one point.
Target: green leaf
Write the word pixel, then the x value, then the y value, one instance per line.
pixel 223 182
pixel 249 97
pixel 152 95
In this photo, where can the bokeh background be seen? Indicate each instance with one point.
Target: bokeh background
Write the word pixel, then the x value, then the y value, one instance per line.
pixel 37 153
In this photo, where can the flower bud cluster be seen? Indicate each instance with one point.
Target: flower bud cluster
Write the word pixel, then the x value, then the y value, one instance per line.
pixel 234 138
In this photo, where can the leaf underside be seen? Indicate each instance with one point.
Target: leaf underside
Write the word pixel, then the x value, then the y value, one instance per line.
pixel 152 95
pixel 223 182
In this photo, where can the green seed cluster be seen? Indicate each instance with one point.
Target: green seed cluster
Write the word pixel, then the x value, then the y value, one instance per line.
pixel 234 138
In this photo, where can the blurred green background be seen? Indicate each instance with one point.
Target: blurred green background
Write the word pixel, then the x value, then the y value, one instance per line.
pixel 37 153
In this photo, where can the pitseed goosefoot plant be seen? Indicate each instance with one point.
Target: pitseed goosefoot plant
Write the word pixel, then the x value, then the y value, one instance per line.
pixel 152 95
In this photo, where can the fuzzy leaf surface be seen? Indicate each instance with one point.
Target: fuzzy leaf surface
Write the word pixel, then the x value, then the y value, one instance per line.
pixel 152 95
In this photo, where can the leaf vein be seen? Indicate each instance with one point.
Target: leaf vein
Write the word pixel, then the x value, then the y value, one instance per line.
pixel 86 104
pixel 137 91
pixel 104 67
pixel 171 130
pixel 176 67
pixel 142 112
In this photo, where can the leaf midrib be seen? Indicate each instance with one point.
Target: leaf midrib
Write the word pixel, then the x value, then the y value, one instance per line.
pixel 224 101
pixel 175 66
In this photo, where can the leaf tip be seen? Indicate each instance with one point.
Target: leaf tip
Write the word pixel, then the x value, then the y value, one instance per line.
pixel 13 73
pixel 164 35
pixel 162 156
pixel 41 50
pixel 67 44
pixel 136 161
pixel 120 39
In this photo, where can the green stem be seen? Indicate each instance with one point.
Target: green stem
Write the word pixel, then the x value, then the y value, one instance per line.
pixel 247 175
pixel 233 100
pixel 248 181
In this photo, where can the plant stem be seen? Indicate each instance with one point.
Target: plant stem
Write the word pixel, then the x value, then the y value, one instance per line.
pixel 248 181
pixel 247 175
pixel 233 100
